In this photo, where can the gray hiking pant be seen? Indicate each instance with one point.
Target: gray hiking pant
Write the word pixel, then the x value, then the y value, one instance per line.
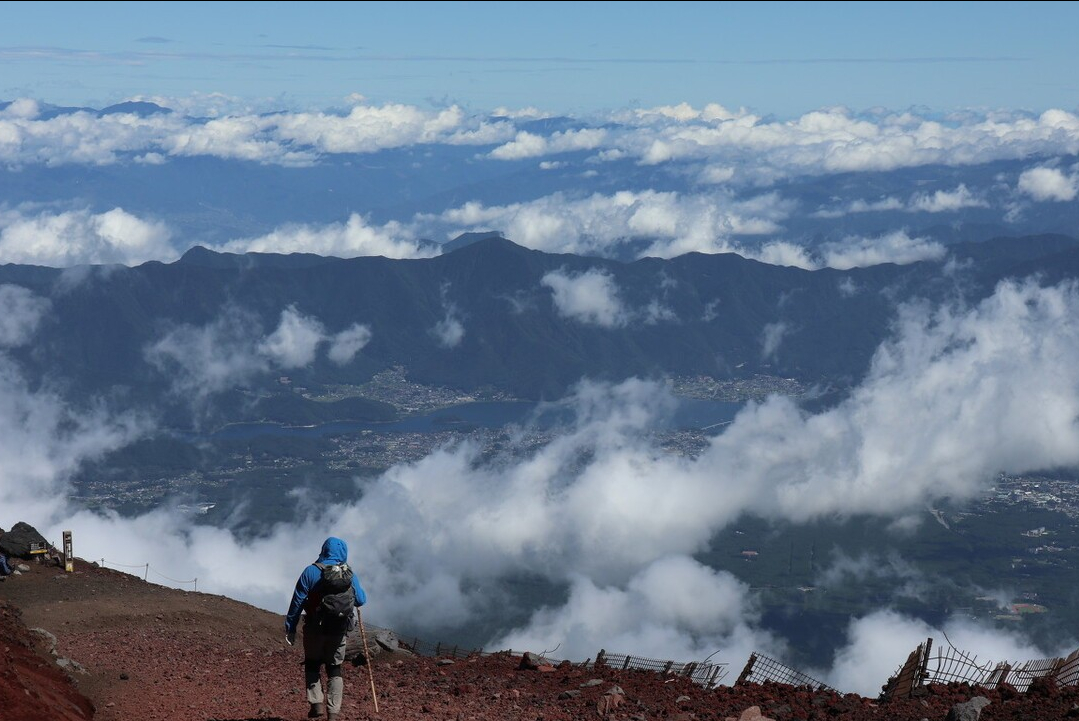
pixel 323 648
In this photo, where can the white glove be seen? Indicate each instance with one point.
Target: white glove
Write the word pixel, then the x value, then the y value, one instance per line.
pixel 290 637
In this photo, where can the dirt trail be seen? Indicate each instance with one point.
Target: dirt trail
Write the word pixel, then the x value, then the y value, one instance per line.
pixel 152 653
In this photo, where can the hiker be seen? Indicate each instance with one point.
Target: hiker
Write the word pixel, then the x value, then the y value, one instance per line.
pixel 324 630
pixel 5 570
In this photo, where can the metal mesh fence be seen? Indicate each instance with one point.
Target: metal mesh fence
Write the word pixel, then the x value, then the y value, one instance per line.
pixel 760 669
pixel 947 664
pixel 702 672
pixel 438 649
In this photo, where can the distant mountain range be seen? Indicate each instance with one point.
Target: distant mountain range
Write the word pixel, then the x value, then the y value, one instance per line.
pixel 694 314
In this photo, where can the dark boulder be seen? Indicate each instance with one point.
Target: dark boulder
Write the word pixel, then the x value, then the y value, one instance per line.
pixel 18 541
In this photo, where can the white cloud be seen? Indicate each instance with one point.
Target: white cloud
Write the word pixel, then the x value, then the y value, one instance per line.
pixel 711 611
pixel 20 313
pixel 590 297
pixel 345 345
pixel 834 141
pixel 367 128
pixel 529 145
pixel 232 131
pixel 1048 184
pixel 529 113
pixel 861 206
pixel 449 331
pixel 203 360
pixel 940 201
pixel 22 108
pixel 343 240
pixel 943 201
pixel 80 237
pixel 231 350
pixel 771 338
pixel 603 224
pixel 848 288
pixel 294 343
pixel 896 247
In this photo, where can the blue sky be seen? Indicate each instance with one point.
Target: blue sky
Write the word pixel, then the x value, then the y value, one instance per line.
pixel 775 58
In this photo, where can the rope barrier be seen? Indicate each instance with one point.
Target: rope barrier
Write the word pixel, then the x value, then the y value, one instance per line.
pixel 122 565
pixel 146 572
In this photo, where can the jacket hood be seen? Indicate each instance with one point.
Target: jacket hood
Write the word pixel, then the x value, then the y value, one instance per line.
pixel 334 551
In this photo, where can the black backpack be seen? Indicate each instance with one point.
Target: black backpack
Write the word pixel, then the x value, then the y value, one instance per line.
pixel 335 610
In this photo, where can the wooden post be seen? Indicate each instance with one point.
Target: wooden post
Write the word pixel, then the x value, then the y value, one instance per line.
pixel 69 555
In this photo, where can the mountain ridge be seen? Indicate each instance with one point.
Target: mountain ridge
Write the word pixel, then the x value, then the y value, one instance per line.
pixel 695 314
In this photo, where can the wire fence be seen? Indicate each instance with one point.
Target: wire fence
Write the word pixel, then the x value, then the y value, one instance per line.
pixel 702 672
pixel 761 668
pixel 947 664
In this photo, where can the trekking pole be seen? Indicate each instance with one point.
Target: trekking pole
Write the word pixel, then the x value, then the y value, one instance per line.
pixel 367 655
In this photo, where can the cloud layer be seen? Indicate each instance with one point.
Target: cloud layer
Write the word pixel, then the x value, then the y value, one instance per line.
pixel 830 140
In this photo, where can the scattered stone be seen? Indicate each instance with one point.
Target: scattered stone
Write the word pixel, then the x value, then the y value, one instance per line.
pixel 969 710
pixel 23 567
pixel 753 713
pixel 71 665
pixel 124 677
pixel 50 640
pixel 592 682
pixel 531 661
pixel 445 662
pixel 682 699
pixel 572 693
pixel 608 703
pixel 616 690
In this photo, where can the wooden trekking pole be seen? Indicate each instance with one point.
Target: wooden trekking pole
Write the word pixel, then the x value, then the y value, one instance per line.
pixel 367 655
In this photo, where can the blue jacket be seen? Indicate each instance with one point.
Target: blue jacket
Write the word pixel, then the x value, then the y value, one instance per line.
pixel 334 551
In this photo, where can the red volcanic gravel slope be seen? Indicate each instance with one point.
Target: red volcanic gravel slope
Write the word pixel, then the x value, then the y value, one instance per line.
pixel 146 653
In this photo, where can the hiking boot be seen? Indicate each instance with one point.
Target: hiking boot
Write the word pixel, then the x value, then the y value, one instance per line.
pixel 316 711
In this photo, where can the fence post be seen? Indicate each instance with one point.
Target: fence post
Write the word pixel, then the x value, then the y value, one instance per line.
pixel 146 574
pixel 747 671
